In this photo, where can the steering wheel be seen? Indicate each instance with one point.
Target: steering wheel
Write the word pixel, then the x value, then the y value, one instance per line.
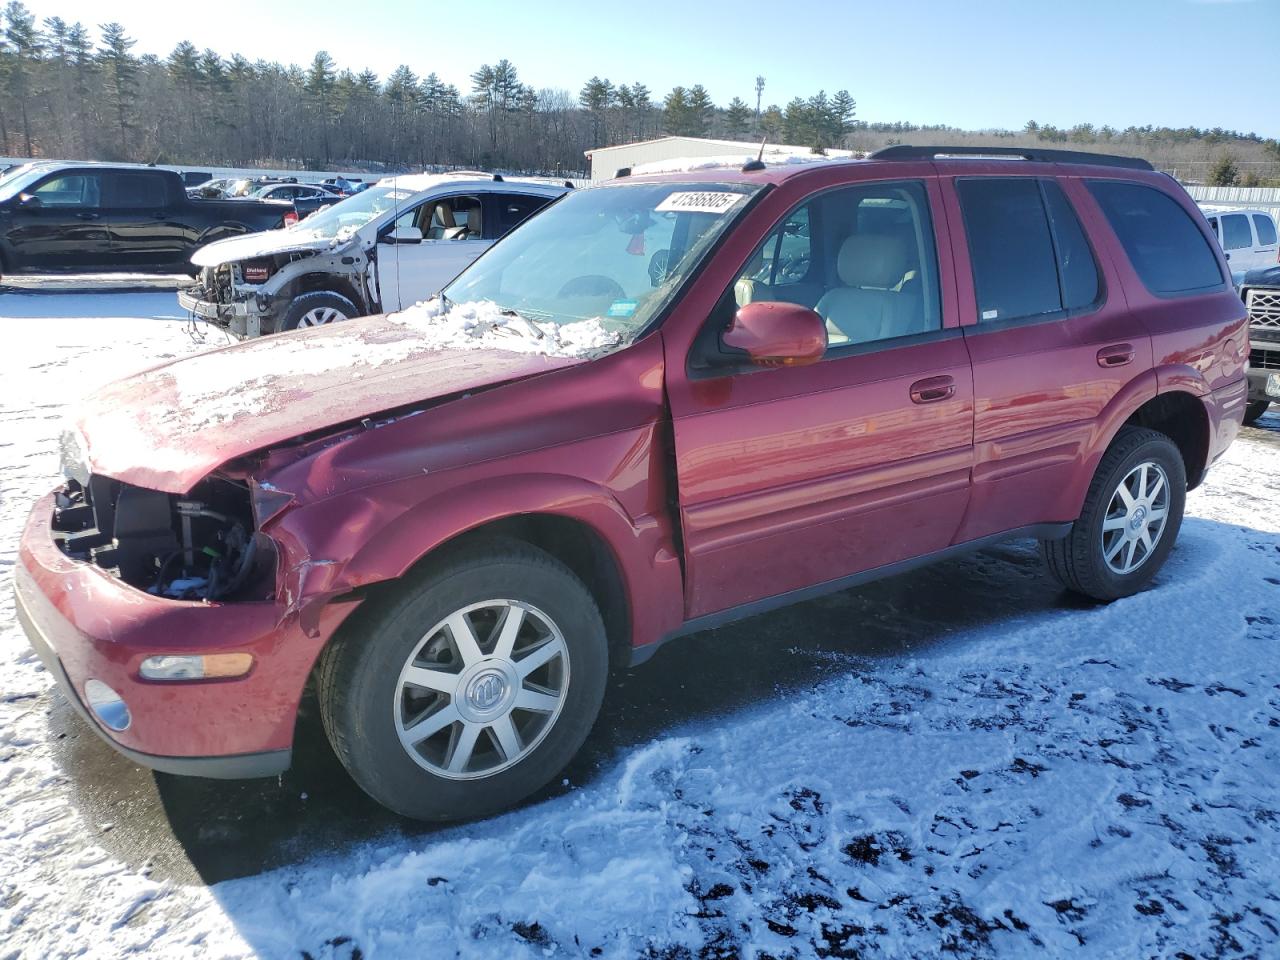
pixel 593 285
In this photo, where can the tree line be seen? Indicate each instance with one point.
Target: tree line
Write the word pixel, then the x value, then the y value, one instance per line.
pixel 72 92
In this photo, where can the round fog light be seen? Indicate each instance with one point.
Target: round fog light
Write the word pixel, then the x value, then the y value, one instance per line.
pixel 107 705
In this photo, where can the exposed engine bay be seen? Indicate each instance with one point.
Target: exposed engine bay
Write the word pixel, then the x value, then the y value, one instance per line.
pixel 202 546
pixel 252 297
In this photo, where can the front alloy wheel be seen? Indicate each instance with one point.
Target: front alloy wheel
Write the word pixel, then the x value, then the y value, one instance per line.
pixel 482 689
pixel 468 685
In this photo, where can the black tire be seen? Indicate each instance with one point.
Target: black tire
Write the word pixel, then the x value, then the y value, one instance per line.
pixel 1076 561
pixel 317 301
pixel 359 678
pixel 1254 410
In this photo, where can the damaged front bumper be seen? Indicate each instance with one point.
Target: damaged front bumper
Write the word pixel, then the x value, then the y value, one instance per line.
pixel 244 318
pixel 88 625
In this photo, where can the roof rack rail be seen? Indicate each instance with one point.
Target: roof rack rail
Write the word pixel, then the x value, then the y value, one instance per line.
pixel 907 152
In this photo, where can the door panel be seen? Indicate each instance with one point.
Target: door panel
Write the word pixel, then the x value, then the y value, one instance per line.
pixel 422 269
pixel 796 476
pixel 65 231
pixel 791 477
pixel 1040 388
pixel 144 232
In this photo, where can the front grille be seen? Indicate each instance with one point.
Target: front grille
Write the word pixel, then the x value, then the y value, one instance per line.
pixel 1264 307
pixel 1264 359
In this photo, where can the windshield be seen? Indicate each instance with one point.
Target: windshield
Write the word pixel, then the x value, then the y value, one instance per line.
pixel 347 216
pixel 614 253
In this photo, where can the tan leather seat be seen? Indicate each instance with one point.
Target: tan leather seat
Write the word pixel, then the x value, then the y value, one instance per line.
pixel 869 305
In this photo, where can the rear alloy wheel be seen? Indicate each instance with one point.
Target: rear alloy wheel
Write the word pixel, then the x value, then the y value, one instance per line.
pixel 1254 410
pixel 318 309
pixel 1136 518
pixel 1129 521
pixel 469 685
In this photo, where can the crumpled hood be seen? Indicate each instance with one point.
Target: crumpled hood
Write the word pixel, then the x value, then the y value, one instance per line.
pixel 250 245
pixel 168 427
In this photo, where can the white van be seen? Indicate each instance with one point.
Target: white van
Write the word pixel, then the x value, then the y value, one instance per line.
pixel 1248 237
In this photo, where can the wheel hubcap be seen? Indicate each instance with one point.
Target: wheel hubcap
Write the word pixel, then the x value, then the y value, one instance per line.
pixel 320 316
pixel 1135 518
pixel 481 689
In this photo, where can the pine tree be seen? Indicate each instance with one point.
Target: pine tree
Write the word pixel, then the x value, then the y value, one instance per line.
pixel 675 113
pixel 1224 172
pixel 26 46
pixel 596 97
pixel 737 118
pixel 700 110
pixel 120 73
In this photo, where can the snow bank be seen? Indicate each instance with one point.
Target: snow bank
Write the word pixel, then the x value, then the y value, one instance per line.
pixel 483 325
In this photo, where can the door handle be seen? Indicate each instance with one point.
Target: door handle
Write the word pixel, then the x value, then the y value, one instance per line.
pixel 86 216
pixel 933 389
pixel 1116 355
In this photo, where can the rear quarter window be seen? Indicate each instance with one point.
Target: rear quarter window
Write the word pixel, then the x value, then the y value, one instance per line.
pixel 1166 247
pixel 1266 230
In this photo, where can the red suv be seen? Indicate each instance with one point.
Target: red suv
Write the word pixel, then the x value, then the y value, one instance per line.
pixel 664 403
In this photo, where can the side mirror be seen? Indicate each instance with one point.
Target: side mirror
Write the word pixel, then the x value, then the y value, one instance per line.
pixel 775 334
pixel 403 235
pixel 30 201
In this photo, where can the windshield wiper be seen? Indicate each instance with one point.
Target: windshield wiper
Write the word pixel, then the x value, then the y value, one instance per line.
pixel 533 327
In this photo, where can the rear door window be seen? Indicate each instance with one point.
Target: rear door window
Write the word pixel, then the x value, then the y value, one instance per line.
pixel 1266 230
pixel 1076 263
pixel 1236 234
pixel 1015 271
pixel 513 208
pixel 1169 253
pixel 135 191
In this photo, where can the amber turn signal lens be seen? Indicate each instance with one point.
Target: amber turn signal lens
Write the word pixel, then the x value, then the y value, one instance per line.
pixel 210 666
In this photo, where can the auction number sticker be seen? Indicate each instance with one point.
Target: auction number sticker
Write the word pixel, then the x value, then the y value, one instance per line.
pixel 699 201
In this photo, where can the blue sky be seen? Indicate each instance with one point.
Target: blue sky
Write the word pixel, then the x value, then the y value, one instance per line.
pixel 975 64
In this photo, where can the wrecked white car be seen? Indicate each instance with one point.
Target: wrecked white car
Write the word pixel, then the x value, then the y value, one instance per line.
pixel 380 250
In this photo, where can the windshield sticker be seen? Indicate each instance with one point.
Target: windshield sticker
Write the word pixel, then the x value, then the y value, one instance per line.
pixel 623 308
pixel 699 201
pixel 399 194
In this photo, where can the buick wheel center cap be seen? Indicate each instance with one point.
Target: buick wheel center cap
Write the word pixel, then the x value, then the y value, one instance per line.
pixel 486 690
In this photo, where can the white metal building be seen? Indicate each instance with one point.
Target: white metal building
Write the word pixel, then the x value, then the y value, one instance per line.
pixel 607 161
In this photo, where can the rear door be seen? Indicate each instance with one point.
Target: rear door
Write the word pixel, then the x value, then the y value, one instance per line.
pixel 146 233
pixel 1051 340
pixel 791 477
pixel 1238 242
pixel 62 228
pixel 1268 249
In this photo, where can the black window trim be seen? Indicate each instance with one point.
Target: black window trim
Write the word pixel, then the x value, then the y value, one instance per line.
pixel 980 326
pixel 1215 248
pixel 705 343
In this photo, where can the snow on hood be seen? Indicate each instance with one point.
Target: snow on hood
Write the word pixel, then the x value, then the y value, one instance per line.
pixel 250 245
pixel 483 325
pixel 168 427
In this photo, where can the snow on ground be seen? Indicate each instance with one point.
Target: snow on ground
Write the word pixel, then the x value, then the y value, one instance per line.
pixel 1084 781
